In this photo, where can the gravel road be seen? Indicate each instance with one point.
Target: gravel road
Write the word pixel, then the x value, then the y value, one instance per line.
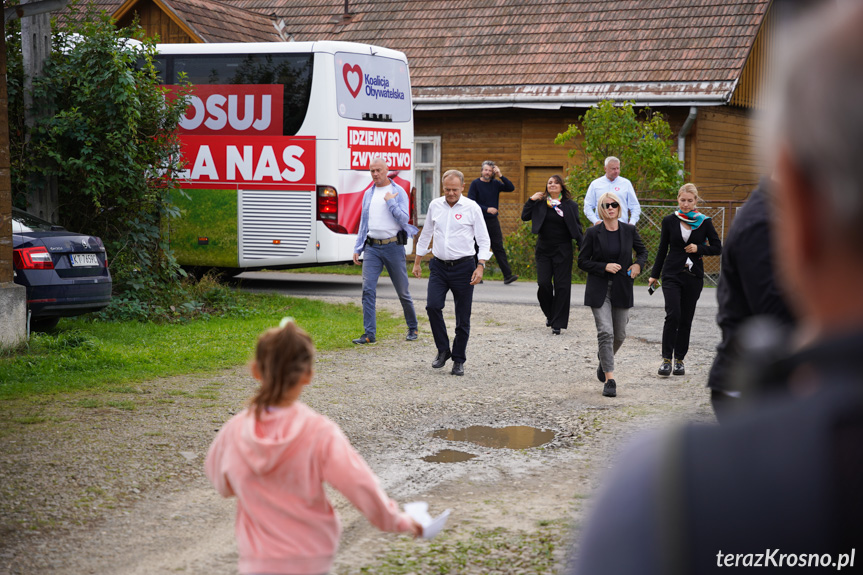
pixel 119 487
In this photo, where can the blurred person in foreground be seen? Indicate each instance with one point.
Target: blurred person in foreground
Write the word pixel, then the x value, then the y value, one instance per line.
pixel 748 288
pixel 779 485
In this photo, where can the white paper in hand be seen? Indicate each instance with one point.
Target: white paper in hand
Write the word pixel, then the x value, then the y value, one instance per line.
pixel 419 512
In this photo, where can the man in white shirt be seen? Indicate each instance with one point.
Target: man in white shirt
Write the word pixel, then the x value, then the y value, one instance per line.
pixel 453 223
pixel 384 215
pixel 612 181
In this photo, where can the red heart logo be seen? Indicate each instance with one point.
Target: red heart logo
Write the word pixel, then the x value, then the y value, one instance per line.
pixel 616 189
pixel 458 216
pixel 353 78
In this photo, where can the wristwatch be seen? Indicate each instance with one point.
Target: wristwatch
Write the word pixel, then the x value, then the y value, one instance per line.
pixel 482 264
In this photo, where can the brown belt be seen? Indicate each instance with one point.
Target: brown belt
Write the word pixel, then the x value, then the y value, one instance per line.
pixel 375 242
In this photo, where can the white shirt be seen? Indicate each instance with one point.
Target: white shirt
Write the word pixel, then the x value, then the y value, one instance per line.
pixel 453 230
pixel 686 232
pixel 630 210
pixel 382 224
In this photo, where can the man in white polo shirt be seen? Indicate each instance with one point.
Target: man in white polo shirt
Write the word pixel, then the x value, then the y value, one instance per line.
pixel 453 223
pixel 384 215
pixel 612 181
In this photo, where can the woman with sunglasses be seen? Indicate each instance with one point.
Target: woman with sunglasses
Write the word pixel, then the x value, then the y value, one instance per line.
pixel 606 256
pixel 554 219
pixel 687 235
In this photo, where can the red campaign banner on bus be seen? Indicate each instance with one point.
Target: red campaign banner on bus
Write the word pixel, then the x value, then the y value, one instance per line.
pixel 228 109
pixel 250 161
pixel 367 143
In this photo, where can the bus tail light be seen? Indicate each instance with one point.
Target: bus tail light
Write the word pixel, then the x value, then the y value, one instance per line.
pixel 328 209
pixel 37 258
pixel 412 210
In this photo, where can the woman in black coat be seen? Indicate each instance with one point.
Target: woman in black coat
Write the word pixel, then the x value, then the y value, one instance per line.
pixel 605 253
pixel 554 217
pixel 686 237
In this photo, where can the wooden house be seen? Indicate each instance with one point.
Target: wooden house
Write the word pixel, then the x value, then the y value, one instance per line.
pixel 499 79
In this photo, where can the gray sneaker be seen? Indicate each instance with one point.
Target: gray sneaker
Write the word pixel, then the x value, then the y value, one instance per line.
pixel 412 335
pixel 363 339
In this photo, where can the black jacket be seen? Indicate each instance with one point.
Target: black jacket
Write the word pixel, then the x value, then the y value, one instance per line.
pixel 535 211
pixel 671 256
pixel 593 256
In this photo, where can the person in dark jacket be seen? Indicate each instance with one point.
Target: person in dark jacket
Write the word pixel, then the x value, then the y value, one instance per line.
pixel 687 235
pixel 605 253
pixel 485 191
pixel 748 287
pixel 554 219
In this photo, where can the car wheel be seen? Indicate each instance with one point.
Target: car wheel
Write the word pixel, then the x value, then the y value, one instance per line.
pixel 44 323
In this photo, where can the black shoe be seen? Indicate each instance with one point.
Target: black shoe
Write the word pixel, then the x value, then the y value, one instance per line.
pixel 600 375
pixel 555 330
pixel 457 368
pixel 610 388
pixel 510 279
pixel 548 323
pixel 441 358
pixel 665 368
pixel 678 368
pixel 364 339
pixel 412 334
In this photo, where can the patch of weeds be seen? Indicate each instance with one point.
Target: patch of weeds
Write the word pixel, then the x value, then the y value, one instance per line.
pixel 125 405
pixel 494 551
pixel 176 392
pixel 30 419
pixel 89 403
pixel 206 395
pixel 209 405
pixel 154 433
pixel 164 400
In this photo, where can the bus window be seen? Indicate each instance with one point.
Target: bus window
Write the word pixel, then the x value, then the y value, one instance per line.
pixel 293 71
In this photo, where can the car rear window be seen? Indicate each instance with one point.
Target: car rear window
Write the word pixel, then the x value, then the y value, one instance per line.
pixel 23 222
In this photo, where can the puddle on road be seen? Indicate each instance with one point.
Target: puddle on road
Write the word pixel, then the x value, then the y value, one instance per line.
pixel 448 456
pixel 512 437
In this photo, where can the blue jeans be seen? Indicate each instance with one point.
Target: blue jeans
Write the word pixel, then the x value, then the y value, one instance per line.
pixel 375 259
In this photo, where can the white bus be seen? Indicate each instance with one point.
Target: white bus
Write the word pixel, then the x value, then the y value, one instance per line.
pixel 276 142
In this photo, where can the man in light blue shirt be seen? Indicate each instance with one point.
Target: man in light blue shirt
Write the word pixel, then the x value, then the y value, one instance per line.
pixel 612 182
pixel 384 218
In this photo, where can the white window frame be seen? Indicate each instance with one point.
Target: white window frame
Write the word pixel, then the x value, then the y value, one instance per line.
pixel 434 167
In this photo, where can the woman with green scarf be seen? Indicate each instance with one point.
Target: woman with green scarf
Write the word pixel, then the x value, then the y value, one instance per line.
pixel 687 235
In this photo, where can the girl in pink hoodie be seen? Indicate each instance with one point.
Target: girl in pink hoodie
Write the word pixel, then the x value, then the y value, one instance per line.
pixel 275 456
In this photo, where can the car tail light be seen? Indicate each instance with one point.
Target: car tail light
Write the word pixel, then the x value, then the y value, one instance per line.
pixel 328 209
pixel 36 258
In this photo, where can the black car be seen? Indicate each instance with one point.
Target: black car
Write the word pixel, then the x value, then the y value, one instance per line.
pixel 65 273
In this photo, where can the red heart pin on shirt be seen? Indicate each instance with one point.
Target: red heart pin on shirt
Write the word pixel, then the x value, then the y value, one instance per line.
pixel 458 216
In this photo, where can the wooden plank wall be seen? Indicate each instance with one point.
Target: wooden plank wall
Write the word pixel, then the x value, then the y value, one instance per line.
pixel 725 153
pixel 155 21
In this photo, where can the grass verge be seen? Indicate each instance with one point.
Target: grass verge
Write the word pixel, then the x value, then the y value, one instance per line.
pixel 85 354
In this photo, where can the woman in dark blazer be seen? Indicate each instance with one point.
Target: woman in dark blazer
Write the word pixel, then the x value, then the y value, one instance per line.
pixel 686 237
pixel 554 219
pixel 606 256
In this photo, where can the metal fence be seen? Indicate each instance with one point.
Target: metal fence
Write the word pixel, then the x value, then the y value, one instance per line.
pixel 650 225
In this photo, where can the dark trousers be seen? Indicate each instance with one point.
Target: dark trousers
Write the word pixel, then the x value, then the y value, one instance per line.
pixel 456 278
pixel 554 276
pixel 496 237
pixel 681 292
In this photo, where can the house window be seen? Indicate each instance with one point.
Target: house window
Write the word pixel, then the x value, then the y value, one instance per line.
pixel 427 170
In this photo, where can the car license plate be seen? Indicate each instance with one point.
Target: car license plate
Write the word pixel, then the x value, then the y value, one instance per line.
pixel 83 260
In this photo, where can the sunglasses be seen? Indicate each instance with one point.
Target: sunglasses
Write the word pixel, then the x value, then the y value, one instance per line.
pixel 611 205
